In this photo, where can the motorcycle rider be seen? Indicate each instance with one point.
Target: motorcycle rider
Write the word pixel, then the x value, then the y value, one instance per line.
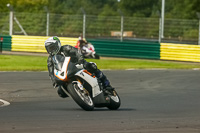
pixel 80 43
pixel 53 47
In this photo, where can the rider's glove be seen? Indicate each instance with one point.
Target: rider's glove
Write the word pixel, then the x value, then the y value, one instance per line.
pixel 81 60
pixel 90 66
pixel 86 64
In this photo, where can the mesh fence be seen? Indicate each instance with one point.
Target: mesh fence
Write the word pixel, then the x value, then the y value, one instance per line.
pixel 65 25
pixel 142 27
pixel 101 26
pixel 181 30
pixel 4 23
pixel 33 24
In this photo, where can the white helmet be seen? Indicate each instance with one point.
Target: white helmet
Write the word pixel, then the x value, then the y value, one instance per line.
pixel 53 45
pixel 80 38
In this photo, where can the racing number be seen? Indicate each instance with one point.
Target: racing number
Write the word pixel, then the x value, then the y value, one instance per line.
pixel 82 74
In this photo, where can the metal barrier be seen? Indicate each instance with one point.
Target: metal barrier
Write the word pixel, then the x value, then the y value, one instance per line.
pixel 1 44
pixel 128 49
pixel 5 43
pixel 180 52
pixel 36 43
pixel 110 48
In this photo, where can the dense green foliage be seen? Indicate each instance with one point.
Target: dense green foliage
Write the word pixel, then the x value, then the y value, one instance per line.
pixel 141 8
pixel 141 17
pixel 39 63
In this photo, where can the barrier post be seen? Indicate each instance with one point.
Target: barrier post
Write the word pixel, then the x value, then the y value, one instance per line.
pixel 122 24
pixel 11 19
pixel 47 25
pixel 84 22
pixel 198 15
pixel 160 27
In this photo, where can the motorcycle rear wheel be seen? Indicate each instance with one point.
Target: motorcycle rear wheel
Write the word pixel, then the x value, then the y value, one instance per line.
pixel 115 101
pixel 97 56
pixel 81 97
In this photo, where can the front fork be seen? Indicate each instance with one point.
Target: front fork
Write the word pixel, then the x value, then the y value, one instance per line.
pixel 80 85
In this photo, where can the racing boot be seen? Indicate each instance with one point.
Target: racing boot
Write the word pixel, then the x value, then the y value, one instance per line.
pixel 92 68
pixel 104 80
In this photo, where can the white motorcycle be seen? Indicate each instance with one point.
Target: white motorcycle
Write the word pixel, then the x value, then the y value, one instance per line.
pixel 86 89
pixel 88 51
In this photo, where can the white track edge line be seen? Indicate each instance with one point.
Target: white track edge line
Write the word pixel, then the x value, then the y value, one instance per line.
pixel 5 103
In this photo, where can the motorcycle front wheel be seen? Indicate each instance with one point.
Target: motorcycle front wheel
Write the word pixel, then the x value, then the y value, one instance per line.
pixel 81 97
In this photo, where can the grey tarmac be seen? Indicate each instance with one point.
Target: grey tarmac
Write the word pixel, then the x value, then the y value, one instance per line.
pixel 153 101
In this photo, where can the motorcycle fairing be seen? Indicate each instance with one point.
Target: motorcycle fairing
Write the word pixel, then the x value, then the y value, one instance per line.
pixel 62 74
pixel 92 81
pixel 58 61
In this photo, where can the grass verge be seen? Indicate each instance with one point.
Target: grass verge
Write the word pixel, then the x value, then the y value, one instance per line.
pixel 39 63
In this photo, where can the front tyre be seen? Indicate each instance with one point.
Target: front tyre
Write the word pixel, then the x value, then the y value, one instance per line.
pixel 115 101
pixel 81 97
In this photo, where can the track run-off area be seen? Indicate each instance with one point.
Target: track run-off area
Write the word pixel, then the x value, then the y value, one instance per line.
pixel 153 101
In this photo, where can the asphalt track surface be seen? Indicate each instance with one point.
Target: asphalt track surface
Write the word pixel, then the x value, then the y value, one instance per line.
pixel 153 101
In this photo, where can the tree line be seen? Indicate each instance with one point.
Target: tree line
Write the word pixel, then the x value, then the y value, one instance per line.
pixel 179 9
pixel 103 16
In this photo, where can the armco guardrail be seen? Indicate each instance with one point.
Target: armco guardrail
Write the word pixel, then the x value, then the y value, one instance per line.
pixel 129 49
pixel 36 43
pixel 180 52
pixel 6 42
pixel 111 48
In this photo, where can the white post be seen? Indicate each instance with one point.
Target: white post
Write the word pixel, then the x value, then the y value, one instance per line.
pixel 11 19
pixel 11 23
pixel 47 28
pixel 198 15
pixel 199 33
pixel 122 24
pixel 122 27
pixel 47 25
pixel 160 30
pixel 84 22
pixel 163 17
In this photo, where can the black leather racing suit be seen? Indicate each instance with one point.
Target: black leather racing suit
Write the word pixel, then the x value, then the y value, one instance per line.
pixel 71 51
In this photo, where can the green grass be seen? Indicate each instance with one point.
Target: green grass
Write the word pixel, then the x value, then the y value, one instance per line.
pixel 22 63
pixel 39 63
pixel 143 64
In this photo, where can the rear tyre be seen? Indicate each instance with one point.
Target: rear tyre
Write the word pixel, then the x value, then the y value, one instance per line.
pixel 81 97
pixel 97 56
pixel 115 101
